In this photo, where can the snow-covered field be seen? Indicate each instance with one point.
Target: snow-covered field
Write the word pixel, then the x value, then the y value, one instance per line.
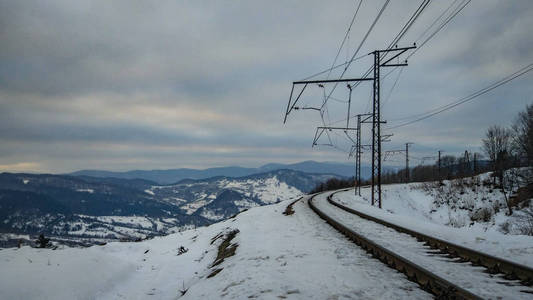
pixel 427 211
pixel 278 256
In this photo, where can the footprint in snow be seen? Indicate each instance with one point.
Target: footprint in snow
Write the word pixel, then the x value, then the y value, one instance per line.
pixel 151 292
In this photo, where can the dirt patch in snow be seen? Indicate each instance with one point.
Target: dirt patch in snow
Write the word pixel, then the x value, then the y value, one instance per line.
pixel 225 249
pixel 289 210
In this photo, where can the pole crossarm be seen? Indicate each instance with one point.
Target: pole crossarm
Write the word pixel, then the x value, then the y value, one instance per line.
pixel 390 153
pixel 398 151
pixel 400 52
pixel 395 49
pixel 337 128
pixel 395 65
pixel 366 118
pixel 333 80
pixel 292 104
pixel 320 130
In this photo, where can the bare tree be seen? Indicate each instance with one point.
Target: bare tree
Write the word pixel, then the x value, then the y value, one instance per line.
pixel 523 135
pixel 497 147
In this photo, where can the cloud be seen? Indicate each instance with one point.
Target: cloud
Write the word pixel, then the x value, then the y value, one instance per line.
pixel 22 167
pixel 132 84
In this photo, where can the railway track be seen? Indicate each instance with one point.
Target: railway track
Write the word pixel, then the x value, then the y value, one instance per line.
pixel 426 275
pixel 494 265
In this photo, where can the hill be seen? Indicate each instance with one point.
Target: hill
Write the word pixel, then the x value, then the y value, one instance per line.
pixel 87 210
pixel 175 175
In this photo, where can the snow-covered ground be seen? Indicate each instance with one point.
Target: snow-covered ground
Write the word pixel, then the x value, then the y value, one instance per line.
pixel 448 216
pixel 296 257
pixel 472 278
pixel 257 191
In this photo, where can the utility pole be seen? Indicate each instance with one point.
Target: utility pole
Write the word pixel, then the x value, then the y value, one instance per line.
pixel 358 158
pixel 467 163
pixel 376 117
pixel 440 178
pixel 475 162
pixel 358 150
pixel 376 114
pixel 407 161
pixel 349 104
pixel 376 135
pixel 406 151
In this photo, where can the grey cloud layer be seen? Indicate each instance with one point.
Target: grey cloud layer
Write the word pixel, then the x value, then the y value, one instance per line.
pixel 132 84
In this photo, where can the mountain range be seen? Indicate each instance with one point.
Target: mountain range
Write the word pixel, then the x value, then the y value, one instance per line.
pixel 175 175
pixel 87 210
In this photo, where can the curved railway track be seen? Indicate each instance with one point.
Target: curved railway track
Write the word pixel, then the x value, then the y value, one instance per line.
pixel 428 280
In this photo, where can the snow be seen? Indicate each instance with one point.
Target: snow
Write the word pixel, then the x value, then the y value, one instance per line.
pixel 12 236
pixel 245 204
pixel 474 279
pixel 269 190
pixel 90 191
pixel 143 222
pixel 211 215
pixel 149 192
pixel 25 181
pixel 191 207
pixel 297 256
pixel 174 200
pixel 66 274
pixel 88 227
pixel 408 206
pixel 274 190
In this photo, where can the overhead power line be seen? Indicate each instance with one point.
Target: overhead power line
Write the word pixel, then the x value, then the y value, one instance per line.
pixel 437 20
pixel 409 23
pixel 376 19
pixel 345 38
pixel 457 10
pixel 468 98
pixel 335 67
pixel 402 32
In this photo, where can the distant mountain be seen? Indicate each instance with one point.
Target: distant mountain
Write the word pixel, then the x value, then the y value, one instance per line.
pixel 84 208
pixel 176 175
pixel 88 210
pixel 218 198
pixel 171 175
pixel 342 169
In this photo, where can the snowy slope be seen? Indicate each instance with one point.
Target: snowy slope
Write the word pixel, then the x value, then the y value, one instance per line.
pixel 221 197
pixel 452 216
pixel 278 256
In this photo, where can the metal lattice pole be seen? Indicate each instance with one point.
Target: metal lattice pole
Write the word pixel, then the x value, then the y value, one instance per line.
pixel 376 135
pixel 358 156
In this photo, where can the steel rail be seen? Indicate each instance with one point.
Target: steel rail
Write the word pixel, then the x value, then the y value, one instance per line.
pixel 494 265
pixel 428 281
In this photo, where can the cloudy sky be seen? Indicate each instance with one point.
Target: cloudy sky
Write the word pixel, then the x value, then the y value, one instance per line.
pixel 122 85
